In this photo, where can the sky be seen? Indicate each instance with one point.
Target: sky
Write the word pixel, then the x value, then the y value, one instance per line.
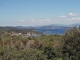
pixel 39 12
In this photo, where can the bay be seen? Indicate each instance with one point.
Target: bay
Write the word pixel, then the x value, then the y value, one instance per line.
pixel 53 31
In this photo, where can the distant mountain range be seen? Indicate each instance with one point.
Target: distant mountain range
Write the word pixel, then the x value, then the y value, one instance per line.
pixel 73 25
pixel 52 26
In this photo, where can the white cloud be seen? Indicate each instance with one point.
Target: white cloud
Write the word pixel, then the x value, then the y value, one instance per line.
pixel 32 20
pixel 63 19
pixel 39 20
pixel 62 16
pixel 76 18
pixel 22 20
pixel 73 14
pixel 36 21
pixel 49 20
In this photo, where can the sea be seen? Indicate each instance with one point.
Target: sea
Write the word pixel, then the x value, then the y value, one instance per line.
pixel 52 31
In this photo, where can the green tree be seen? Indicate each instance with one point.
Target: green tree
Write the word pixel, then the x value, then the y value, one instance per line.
pixel 49 52
pixel 71 46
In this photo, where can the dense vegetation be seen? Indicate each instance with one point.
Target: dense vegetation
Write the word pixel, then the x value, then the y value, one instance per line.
pixel 45 47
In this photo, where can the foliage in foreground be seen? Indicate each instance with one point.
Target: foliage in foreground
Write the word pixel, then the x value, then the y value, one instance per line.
pixel 45 47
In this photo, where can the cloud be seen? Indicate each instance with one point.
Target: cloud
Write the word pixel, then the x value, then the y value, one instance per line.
pixel 39 20
pixel 62 16
pixel 33 20
pixel 63 19
pixel 76 18
pixel 73 14
pixel 22 20
pixel 49 20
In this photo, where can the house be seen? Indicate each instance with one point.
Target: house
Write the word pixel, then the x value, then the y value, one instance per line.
pixel 15 34
pixel 28 34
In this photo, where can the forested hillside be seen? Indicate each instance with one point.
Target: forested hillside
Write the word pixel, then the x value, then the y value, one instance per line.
pixel 17 30
pixel 44 47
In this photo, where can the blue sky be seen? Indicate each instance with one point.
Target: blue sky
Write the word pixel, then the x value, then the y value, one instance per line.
pixel 39 12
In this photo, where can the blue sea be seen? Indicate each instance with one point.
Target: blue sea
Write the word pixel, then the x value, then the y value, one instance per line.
pixel 53 31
